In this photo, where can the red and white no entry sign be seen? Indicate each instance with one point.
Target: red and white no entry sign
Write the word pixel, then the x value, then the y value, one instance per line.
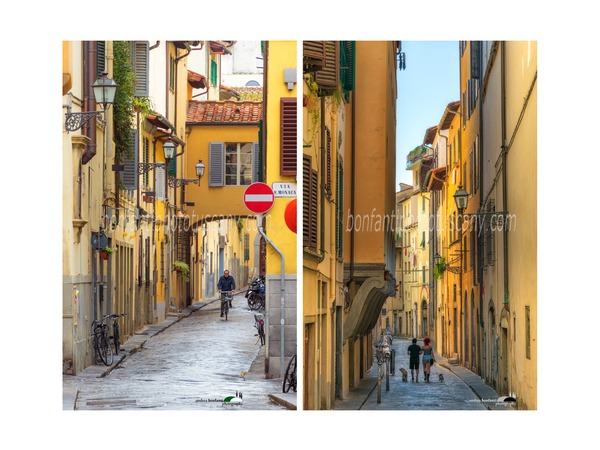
pixel 259 198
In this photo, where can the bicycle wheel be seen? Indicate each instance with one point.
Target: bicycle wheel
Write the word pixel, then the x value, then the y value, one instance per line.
pixel 106 353
pixel 289 381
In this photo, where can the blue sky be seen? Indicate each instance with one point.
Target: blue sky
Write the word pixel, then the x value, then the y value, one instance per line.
pixel 429 82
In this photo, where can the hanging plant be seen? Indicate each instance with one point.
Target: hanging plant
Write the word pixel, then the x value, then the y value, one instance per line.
pixel 183 268
pixel 439 269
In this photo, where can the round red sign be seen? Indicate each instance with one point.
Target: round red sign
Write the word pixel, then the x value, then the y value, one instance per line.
pixel 259 198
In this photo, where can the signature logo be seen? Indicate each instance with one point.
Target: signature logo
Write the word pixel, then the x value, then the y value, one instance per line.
pixel 233 399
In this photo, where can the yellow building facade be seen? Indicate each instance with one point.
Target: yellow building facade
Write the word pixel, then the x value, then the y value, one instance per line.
pixel 348 210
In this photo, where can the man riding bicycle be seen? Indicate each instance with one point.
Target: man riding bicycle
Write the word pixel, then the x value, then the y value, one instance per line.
pixel 226 284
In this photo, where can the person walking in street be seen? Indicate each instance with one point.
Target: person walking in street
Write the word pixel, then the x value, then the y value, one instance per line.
pixel 226 284
pixel 414 351
pixel 427 357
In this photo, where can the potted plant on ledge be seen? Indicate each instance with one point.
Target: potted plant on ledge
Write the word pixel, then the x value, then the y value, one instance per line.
pixel 106 252
pixel 183 269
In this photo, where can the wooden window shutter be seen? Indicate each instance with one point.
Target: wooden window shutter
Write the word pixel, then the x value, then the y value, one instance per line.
pixel 328 192
pixel 476 60
pixel 129 177
pixel 313 53
pixel 289 139
pixel 213 73
pixel 255 162
pixel 100 58
pixel 216 166
pixel 347 57
pixel 172 168
pixel 159 183
pixel 328 78
pixel 310 197
pixel 140 57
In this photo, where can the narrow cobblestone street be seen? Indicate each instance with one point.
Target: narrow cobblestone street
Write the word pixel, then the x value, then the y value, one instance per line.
pixel 193 364
pixel 445 391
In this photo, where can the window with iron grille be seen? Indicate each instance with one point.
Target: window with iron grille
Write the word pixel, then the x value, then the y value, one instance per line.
pixel 310 191
pixel 182 240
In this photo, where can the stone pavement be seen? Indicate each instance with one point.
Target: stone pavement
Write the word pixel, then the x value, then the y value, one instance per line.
pixel 365 394
pixel 135 343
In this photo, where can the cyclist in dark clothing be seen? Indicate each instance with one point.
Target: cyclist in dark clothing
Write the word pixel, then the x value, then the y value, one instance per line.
pixel 226 284
pixel 414 351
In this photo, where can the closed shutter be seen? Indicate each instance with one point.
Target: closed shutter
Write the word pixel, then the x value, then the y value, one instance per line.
pixel 100 58
pixel 255 162
pixel 347 57
pixel 216 166
pixel 476 60
pixel 328 191
pixel 313 53
pixel 159 183
pixel 289 138
pixel 172 168
pixel 139 61
pixel 328 78
pixel 214 79
pixel 309 204
pixel 129 177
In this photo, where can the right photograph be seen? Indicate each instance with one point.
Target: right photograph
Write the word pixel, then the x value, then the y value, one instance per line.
pixel 419 225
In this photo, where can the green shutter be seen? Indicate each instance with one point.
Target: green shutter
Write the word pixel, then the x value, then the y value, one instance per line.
pixel 213 73
pixel 129 177
pixel 173 168
pixel 347 66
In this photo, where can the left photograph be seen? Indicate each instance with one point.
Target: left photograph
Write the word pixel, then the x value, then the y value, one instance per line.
pixel 179 225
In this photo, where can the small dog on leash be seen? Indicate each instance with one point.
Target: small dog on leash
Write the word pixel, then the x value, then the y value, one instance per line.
pixel 441 377
pixel 404 373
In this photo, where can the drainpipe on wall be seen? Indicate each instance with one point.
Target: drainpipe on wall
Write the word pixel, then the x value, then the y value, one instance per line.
pixel 504 190
pixel 282 321
pixel 89 102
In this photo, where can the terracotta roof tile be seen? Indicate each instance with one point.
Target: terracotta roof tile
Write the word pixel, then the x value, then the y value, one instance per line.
pixel 224 112
pixel 196 80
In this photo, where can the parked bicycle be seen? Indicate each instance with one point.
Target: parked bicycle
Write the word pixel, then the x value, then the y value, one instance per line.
pixel 259 324
pixel 256 294
pixel 226 299
pixel 289 381
pixel 116 337
pixel 102 348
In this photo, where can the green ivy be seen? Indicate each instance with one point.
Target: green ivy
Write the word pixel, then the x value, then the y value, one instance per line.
pixel 123 113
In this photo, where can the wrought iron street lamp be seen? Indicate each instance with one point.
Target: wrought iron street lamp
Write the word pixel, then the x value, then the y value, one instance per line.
pixel 178 182
pixel 104 93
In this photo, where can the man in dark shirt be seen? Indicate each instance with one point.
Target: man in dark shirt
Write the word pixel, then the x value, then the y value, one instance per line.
pixel 414 351
pixel 226 284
